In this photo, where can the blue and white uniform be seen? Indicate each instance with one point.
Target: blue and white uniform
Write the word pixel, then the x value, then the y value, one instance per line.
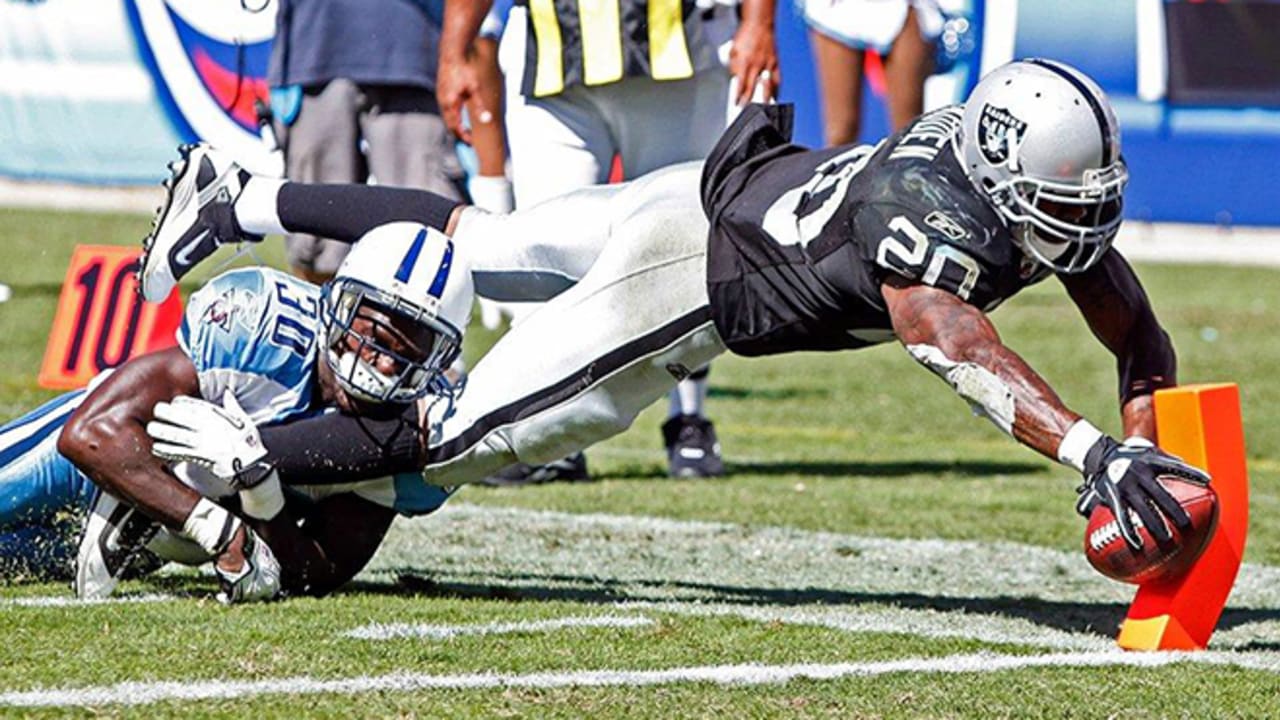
pixel 252 331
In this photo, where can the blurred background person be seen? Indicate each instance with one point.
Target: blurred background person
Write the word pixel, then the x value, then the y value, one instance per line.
pixel 485 158
pixel 352 94
pixel 841 33
pixel 648 83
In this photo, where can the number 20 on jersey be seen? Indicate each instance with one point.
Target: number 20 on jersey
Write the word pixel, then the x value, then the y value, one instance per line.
pixel 101 321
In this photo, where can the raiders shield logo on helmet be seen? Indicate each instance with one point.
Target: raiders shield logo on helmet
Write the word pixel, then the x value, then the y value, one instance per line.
pixel 999 134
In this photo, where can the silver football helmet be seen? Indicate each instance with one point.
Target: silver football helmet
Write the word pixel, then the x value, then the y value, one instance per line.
pixel 1041 140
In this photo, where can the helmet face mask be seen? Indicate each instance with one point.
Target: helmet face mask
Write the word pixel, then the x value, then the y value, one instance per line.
pixel 1041 141
pixel 1067 227
pixel 382 349
pixel 394 314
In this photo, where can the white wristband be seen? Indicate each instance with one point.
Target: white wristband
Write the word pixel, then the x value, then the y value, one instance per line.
pixel 1076 443
pixel 264 500
pixel 210 526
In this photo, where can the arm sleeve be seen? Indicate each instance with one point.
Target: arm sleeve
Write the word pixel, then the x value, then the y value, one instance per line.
pixel 354 448
pixel 346 212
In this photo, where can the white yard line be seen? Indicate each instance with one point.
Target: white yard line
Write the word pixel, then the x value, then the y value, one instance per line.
pixel 143 693
pixel 905 621
pixel 57 601
pixel 379 631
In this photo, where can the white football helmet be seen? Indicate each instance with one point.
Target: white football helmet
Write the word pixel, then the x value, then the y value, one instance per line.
pixel 415 277
pixel 1041 140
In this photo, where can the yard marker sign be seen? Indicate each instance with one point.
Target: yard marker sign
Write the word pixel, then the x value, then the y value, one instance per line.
pixel 1202 425
pixel 101 321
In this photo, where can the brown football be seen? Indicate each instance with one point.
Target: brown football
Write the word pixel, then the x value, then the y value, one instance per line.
pixel 1111 555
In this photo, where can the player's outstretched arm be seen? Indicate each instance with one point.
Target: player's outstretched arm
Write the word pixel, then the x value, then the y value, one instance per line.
pixel 106 436
pixel 1120 316
pixel 958 342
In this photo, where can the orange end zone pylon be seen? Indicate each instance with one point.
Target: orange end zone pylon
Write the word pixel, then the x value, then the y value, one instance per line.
pixel 1202 425
pixel 101 321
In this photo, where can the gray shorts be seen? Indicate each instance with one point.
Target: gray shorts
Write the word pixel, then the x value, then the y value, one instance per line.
pixel 405 145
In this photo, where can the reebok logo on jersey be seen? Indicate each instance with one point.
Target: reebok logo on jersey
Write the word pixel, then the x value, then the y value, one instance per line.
pixel 943 223
pixel 1000 135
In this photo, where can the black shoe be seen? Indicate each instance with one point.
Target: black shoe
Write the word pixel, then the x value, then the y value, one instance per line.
pixel 693 451
pixel 195 219
pixel 569 469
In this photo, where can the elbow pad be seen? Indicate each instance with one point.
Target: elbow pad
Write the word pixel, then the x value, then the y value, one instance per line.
pixel 986 393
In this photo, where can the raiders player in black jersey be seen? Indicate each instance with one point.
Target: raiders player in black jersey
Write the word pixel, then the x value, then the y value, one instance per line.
pixel 767 248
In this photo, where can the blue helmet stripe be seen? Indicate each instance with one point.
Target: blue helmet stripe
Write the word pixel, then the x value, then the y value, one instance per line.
pixel 442 275
pixel 411 257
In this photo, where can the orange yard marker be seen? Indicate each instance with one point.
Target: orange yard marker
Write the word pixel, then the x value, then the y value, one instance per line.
pixel 1202 425
pixel 101 321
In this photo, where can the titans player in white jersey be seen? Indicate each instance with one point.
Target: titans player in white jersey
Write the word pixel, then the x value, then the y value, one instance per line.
pixel 771 248
pixel 268 348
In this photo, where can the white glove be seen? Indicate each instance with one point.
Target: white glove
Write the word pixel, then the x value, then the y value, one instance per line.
pixel 222 439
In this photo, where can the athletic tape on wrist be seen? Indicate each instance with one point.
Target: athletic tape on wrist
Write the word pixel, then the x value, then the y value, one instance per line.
pixel 264 500
pixel 1076 443
pixel 210 526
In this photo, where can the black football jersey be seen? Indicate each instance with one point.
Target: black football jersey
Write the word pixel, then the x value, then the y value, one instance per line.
pixel 801 240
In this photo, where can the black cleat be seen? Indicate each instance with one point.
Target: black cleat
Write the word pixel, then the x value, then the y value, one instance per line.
pixel 693 451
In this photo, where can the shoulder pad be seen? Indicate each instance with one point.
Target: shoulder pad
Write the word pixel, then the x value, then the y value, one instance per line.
pixel 935 247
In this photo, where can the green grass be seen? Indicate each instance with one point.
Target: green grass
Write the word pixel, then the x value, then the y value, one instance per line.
pixel 860 445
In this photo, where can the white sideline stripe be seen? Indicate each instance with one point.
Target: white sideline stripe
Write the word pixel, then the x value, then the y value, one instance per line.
pixel 1189 243
pixel 143 693
pixel 379 631
pixel 70 601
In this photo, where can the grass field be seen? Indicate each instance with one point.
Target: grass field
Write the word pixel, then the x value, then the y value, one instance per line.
pixel 877 552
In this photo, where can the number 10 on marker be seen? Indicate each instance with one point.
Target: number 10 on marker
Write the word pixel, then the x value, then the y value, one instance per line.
pixel 101 321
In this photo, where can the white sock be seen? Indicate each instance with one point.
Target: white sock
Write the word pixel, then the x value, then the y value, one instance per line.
pixel 211 526
pixel 491 192
pixel 255 209
pixel 688 397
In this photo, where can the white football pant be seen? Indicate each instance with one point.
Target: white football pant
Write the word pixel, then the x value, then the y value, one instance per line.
pixel 580 369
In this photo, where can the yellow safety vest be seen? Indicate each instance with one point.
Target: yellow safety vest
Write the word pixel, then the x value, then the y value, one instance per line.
pixel 597 42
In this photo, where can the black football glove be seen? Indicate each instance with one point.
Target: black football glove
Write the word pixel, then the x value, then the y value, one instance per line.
pixel 1123 477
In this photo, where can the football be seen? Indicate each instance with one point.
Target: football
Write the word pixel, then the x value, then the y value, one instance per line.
pixel 1111 555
